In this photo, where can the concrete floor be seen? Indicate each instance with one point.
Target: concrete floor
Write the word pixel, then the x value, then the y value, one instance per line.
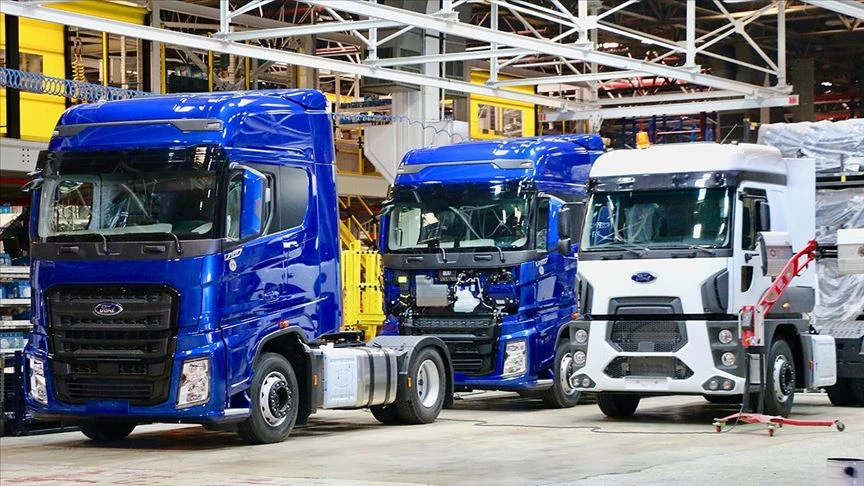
pixel 486 438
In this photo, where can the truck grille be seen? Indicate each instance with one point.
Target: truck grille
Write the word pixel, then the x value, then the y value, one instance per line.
pixel 471 342
pixel 648 366
pixel 648 336
pixel 126 356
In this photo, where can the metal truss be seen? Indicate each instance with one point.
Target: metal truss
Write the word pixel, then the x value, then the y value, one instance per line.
pixel 569 45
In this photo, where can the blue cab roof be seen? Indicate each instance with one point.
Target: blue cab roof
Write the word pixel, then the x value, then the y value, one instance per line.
pixel 559 159
pixel 243 119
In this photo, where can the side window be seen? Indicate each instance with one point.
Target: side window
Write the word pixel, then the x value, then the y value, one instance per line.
pixel 293 197
pixel 542 225
pixel 232 206
pixel 753 201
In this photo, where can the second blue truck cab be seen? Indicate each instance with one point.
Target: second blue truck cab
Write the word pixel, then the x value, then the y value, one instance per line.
pixel 478 244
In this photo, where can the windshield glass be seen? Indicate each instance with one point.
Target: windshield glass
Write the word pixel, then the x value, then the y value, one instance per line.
pixel 127 203
pixel 658 219
pixel 460 216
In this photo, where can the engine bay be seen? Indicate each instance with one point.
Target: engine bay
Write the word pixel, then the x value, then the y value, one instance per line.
pixel 458 292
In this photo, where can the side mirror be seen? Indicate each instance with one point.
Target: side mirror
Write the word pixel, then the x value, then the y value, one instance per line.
pixel 775 250
pixel 564 223
pixel 850 251
pixel 763 216
pixel 252 203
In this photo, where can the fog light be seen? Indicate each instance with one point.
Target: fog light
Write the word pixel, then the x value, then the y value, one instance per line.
pixel 586 382
pixel 728 359
pixel 713 384
pixel 38 389
pixel 580 336
pixel 728 385
pixel 725 336
pixel 579 358
pixel 194 382
pixel 515 362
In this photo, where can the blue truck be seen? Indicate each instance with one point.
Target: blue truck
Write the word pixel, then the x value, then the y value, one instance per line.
pixel 185 268
pixel 478 244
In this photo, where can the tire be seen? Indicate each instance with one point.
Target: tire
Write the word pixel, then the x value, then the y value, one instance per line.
pixel 386 414
pixel 723 399
pixel 856 391
pixel 779 393
pixel 271 421
pixel 561 394
pixel 840 393
pixel 618 406
pixel 106 431
pixel 421 400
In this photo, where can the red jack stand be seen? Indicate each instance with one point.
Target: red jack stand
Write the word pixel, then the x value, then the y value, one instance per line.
pixel 773 422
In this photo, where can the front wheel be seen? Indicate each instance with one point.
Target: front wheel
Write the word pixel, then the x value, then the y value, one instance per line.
pixel 618 405
pixel 840 393
pixel 275 398
pixel 106 431
pixel 421 399
pixel 562 394
pixel 780 387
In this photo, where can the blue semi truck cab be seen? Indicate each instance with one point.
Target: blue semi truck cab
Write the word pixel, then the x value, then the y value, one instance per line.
pixel 185 268
pixel 478 244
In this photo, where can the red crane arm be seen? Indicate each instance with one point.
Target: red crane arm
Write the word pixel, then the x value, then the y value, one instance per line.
pixel 792 269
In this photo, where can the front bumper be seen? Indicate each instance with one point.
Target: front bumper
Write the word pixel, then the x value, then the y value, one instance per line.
pixel 188 347
pixel 683 371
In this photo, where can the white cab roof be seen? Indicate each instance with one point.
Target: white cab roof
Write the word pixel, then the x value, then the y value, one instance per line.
pixel 690 157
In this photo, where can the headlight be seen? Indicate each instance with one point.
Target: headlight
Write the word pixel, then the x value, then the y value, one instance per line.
pixel 194 382
pixel 581 336
pixel 579 358
pixel 38 389
pixel 728 359
pixel 725 336
pixel 515 362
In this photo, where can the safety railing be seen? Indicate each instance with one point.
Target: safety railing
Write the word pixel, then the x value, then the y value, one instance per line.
pixel 362 295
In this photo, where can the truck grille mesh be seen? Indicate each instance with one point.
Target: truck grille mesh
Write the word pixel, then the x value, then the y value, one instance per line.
pixel 471 342
pixel 127 356
pixel 648 336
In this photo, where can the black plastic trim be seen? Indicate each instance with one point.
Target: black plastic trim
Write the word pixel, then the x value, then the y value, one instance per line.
pixel 463 260
pixel 124 250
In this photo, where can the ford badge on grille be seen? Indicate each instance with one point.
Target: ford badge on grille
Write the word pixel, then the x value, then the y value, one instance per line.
pixel 643 277
pixel 107 309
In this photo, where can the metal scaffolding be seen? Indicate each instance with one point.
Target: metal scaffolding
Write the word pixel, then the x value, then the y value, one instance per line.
pixel 568 43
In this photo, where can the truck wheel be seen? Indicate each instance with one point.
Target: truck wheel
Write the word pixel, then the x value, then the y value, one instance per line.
pixel 618 406
pixel 275 398
pixel 562 395
pixel 841 394
pixel 856 391
pixel 421 400
pixel 780 379
pixel 386 414
pixel 106 431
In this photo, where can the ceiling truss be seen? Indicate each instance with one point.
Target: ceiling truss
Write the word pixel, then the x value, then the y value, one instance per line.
pixel 567 41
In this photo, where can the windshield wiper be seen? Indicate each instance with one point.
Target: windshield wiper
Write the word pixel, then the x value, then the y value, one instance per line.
pixel 436 243
pixel 689 247
pixel 633 248
pixel 176 242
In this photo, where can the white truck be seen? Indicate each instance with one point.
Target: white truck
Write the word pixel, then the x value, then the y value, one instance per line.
pixel 669 256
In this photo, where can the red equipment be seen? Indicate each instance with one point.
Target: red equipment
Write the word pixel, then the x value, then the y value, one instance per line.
pixel 752 332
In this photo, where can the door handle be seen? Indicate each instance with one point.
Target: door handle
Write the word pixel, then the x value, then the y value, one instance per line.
pixel 271 296
pixel 749 255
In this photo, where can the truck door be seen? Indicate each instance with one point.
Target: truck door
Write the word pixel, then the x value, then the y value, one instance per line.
pixel 254 270
pixel 753 214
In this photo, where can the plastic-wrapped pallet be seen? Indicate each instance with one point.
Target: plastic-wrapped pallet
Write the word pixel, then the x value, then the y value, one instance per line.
pixel 841 297
pixel 836 146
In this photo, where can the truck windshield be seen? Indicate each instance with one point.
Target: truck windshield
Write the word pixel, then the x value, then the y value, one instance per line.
pixel 680 218
pixel 128 204
pixel 462 216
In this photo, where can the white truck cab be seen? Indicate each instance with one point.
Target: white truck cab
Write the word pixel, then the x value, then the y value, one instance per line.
pixel 669 254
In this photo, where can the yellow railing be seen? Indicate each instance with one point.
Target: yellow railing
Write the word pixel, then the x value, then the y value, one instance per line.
pixel 362 295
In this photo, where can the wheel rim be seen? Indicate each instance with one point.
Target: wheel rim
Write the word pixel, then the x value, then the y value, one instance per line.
pixel 784 378
pixel 564 371
pixel 275 399
pixel 428 383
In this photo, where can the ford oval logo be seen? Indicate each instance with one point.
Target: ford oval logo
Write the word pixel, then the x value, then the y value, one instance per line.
pixel 107 309
pixel 643 277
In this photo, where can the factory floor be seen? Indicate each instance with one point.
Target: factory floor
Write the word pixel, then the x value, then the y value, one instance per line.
pixel 486 438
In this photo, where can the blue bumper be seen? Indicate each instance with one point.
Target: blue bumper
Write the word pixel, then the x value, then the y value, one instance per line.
pixel 536 376
pixel 192 346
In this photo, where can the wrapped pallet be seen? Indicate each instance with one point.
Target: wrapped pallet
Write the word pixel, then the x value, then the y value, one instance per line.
pixel 836 146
